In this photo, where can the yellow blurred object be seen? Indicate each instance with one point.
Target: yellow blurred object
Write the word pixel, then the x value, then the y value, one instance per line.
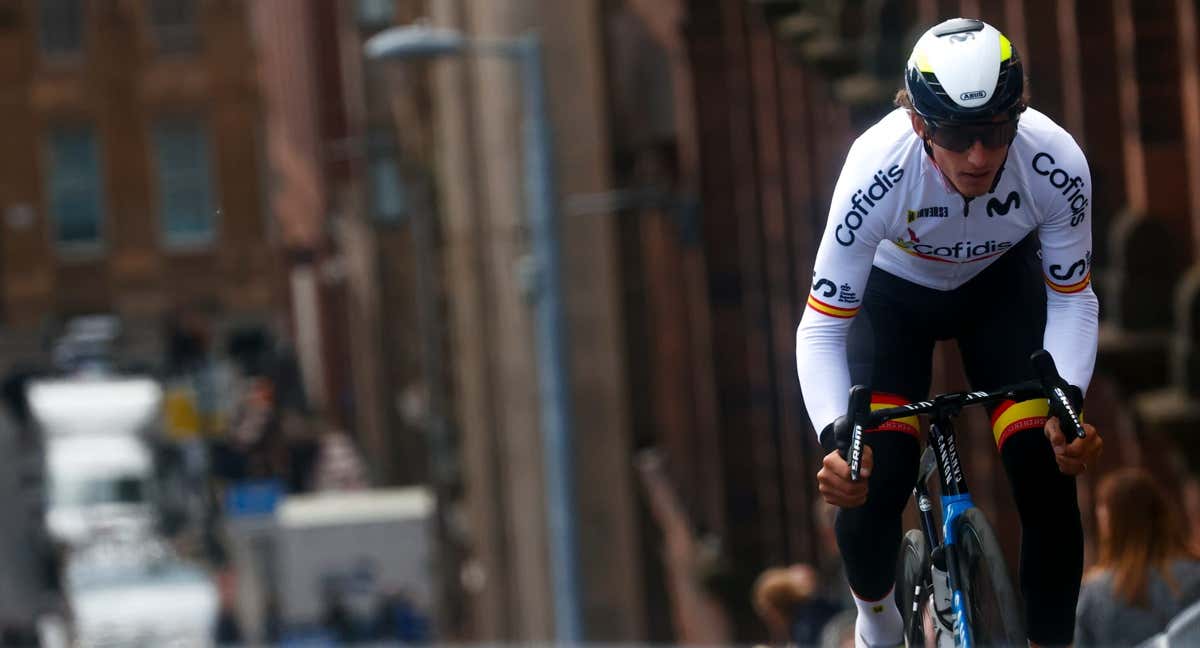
pixel 181 416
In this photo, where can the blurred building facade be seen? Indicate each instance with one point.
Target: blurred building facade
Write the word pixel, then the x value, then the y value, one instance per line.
pixel 347 192
pixel 133 182
pixel 190 154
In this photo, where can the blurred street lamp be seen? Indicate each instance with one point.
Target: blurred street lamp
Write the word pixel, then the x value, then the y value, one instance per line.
pixel 424 41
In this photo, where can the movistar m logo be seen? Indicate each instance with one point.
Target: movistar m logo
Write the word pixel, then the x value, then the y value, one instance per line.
pixel 861 202
pixel 994 206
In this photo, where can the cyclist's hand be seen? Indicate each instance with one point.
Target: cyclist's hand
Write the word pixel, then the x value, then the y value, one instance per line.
pixel 1074 457
pixel 833 480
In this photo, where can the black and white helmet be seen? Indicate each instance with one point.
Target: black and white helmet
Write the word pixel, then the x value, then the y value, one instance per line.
pixel 964 71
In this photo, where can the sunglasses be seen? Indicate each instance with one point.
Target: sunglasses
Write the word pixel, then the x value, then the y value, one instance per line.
pixel 959 138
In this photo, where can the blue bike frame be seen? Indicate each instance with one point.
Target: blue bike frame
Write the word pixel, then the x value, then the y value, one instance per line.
pixel 955 501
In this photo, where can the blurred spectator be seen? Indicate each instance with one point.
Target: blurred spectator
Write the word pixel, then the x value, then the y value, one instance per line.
pixel 13 390
pixel 798 602
pixel 786 600
pixel 1147 571
pixel 338 464
pixel 698 616
pixel 399 619
pixel 227 632
pixel 271 435
pixel 198 394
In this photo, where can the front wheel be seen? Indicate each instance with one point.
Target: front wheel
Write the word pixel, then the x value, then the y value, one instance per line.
pixel 913 587
pixel 993 613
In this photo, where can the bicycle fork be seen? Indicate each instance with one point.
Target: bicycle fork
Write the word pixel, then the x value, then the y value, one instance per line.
pixel 955 500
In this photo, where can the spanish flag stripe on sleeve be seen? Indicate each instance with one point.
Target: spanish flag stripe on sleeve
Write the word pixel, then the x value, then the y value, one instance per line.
pixel 832 311
pixel 907 425
pixel 1010 418
pixel 1072 288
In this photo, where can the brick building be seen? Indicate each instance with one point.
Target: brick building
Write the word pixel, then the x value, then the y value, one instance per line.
pixel 133 180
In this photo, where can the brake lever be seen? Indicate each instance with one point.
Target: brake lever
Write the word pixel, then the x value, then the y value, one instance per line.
pixel 1060 403
pixel 859 409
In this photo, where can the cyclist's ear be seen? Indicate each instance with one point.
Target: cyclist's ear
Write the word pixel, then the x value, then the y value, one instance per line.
pixel 918 124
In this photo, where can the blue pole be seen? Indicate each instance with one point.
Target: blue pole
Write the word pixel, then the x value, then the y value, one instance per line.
pixel 553 377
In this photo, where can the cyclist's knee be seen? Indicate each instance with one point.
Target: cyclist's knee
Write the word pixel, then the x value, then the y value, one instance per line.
pixel 1042 493
pixel 870 563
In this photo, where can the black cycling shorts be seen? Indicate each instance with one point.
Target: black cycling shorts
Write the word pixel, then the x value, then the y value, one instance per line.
pixel 998 319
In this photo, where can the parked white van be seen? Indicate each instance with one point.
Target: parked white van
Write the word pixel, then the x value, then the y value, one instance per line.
pixel 97 485
pixel 99 468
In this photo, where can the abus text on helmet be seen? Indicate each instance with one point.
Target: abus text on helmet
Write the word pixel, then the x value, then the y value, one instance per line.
pixel 1043 164
pixel 862 201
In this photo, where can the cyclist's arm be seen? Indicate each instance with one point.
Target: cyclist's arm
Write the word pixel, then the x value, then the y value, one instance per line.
pixel 843 262
pixel 1072 309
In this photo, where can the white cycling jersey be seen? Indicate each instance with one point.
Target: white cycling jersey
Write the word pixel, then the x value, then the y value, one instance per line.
pixel 894 209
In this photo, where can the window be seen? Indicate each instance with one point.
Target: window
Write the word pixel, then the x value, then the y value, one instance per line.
pixel 376 13
pixel 185 202
pixel 76 200
pixel 388 200
pixel 174 24
pixel 60 24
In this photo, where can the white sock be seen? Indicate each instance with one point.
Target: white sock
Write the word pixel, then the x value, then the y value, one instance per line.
pixel 878 623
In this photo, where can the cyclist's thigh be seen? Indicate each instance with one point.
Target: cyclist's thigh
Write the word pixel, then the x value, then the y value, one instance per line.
pixel 890 342
pixel 1004 319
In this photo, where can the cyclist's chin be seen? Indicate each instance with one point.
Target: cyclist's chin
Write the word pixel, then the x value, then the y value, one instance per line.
pixel 973 186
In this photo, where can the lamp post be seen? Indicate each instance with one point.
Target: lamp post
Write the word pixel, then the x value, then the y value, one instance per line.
pixel 422 41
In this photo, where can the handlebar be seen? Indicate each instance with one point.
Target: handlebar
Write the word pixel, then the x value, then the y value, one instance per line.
pixel 1049 385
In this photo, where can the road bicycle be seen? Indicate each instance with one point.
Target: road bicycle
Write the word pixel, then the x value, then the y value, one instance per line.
pixel 956 577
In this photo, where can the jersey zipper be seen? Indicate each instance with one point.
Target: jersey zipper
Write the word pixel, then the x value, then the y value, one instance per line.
pixel 958 267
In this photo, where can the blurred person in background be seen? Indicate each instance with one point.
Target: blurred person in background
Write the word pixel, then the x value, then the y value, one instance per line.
pixel 787 600
pixel 963 214
pixel 272 434
pixel 338 466
pixel 697 613
pixel 1148 568
pixel 803 603
pixel 198 399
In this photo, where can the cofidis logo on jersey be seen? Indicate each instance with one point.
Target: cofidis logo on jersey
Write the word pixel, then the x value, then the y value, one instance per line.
pixel 1072 187
pixel 959 252
pixel 863 200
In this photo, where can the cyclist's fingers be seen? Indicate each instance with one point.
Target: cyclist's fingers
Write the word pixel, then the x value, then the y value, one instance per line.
pixel 839 489
pixel 868 462
pixel 1082 447
pixel 845 500
pixel 1054 433
pixel 833 492
pixel 1087 448
pixel 1070 465
pixel 834 463
pixel 834 483
pixel 843 495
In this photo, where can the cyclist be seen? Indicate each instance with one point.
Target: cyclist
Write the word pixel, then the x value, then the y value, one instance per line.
pixel 934 233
